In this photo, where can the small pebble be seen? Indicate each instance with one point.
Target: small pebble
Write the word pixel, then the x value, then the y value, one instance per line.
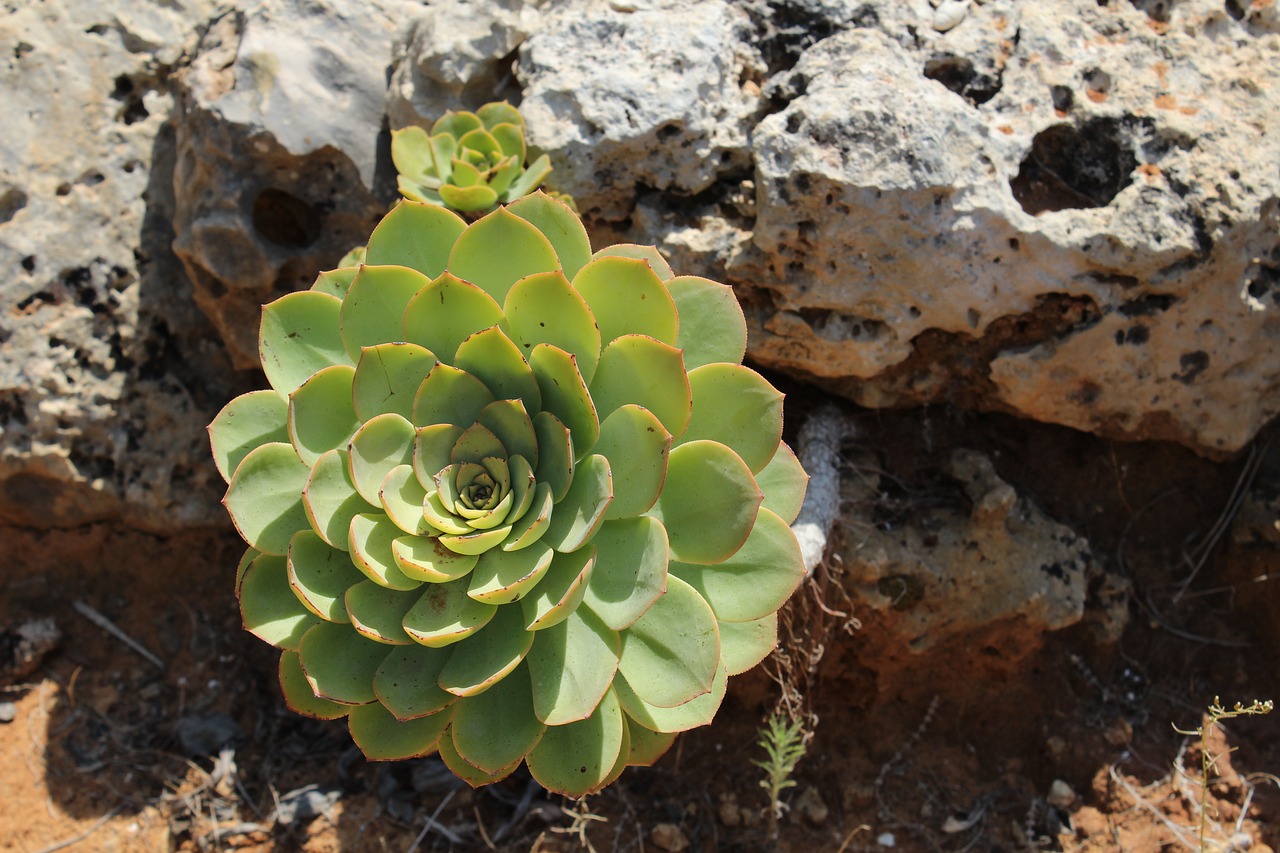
pixel 810 805
pixel 8 711
pixel 1060 795
pixel 669 837
pixel 949 14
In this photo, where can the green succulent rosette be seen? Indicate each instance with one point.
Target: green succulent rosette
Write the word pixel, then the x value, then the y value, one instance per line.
pixel 470 162
pixel 510 500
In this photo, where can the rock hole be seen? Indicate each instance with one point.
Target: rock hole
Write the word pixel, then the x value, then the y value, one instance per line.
pixel 285 219
pixel 1148 305
pixel 129 94
pixel 29 263
pixel 1236 9
pixel 1157 10
pixel 1063 98
pixel 1072 167
pixel 11 202
pixel 668 132
pixel 954 72
pixel 834 326
pixel 794 121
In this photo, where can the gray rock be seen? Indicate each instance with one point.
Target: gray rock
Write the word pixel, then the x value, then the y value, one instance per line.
pixel 623 104
pixel 1093 244
pixel 279 134
pixel 985 563
pixel 100 415
pixel 207 734
pixel 457 55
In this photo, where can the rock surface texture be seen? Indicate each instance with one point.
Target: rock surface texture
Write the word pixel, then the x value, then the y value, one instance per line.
pixel 1063 210
pixel 971 559
pixel 1067 211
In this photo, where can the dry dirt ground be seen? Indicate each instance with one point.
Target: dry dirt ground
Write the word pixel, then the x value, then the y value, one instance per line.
pixel 1070 748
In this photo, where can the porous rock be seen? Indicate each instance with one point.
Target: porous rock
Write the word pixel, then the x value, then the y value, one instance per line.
pixel 457 54
pixel 982 563
pixel 623 105
pixel 107 368
pixel 280 143
pixel 1067 211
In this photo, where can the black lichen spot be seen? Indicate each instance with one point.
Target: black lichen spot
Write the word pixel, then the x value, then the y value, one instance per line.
pixel 1192 364
pixel 1133 335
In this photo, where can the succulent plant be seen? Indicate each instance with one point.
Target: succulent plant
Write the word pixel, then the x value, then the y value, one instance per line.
pixel 470 162
pixel 508 499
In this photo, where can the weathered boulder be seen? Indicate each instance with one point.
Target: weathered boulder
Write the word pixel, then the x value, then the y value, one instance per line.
pixel 970 560
pixel 1066 211
pixel 457 54
pixel 283 158
pixel 107 367
pixel 624 104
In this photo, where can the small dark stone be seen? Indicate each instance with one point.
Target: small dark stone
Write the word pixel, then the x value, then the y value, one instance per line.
pixel 207 734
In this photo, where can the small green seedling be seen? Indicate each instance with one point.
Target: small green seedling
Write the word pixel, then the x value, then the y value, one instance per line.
pixel 508 499
pixel 783 741
pixel 470 162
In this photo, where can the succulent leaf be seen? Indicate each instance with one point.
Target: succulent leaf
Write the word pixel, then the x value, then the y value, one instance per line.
pixel 321 415
pixel 560 225
pixel 709 502
pixel 298 337
pixel 320 576
pixel 670 654
pixel 382 737
pixel 374 306
pixel 627 298
pixel 339 663
pixel 508 500
pixel 656 262
pixel 497 727
pixel 576 758
pixel 246 422
pixel 735 406
pixel 745 644
pixel 330 499
pixel 544 308
pixel 572 663
pixel 712 326
pixel 631 574
pixel 264 497
pixel 407 681
pixel 756 580
pixel 270 610
pixel 680 718
pixel 415 235
pixel 445 313
pixel 298 694
pixel 646 746
pixel 783 482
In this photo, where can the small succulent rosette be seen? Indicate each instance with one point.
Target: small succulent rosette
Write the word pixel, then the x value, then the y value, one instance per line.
pixel 510 500
pixel 470 162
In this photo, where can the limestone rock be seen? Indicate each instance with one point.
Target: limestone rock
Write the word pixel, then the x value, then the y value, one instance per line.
pixel 280 140
pixel 1066 211
pixel 985 562
pixel 457 55
pixel 623 104
pixel 108 370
